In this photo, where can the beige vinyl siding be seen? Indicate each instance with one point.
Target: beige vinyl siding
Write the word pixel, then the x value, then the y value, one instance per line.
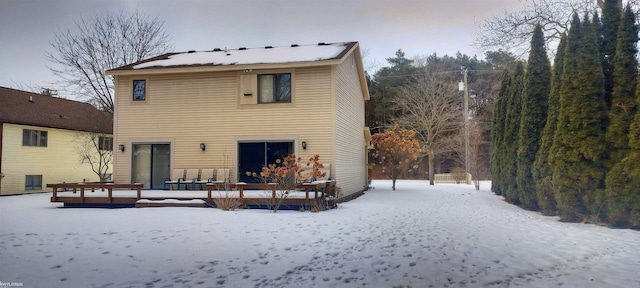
pixel 188 109
pixel 350 148
pixel 58 162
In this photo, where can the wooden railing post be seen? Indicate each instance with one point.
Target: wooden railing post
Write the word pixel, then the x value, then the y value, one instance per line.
pixel 81 192
pixel 139 190
pixel 55 192
pixel 240 187
pixel 110 192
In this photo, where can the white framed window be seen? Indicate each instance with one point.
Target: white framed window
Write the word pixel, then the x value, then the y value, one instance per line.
pixel 105 143
pixel 274 88
pixel 33 182
pixel 35 138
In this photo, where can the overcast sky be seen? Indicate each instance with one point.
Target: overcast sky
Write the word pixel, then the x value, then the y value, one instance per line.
pixel 418 27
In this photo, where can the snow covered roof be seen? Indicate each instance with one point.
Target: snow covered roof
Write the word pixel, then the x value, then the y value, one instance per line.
pixel 243 56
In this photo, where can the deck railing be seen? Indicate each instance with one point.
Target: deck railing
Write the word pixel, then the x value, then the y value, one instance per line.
pixel 93 186
pixel 316 191
pixel 321 189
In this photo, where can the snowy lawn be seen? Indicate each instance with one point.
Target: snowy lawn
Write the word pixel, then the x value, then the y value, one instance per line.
pixel 419 235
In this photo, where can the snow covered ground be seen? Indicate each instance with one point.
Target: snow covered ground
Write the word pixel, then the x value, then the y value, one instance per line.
pixel 419 235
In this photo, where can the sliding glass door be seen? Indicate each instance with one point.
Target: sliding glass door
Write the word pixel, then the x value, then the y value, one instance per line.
pixel 252 156
pixel 151 163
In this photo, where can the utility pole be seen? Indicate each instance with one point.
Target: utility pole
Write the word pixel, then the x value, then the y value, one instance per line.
pixel 466 119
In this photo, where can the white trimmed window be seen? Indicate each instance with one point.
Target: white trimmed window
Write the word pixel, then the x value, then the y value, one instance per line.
pixel 274 88
pixel 34 138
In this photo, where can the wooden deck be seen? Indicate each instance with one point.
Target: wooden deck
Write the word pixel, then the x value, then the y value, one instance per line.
pixel 112 195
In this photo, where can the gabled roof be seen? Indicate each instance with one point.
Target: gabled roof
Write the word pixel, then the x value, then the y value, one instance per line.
pixel 26 108
pixel 267 57
pixel 321 53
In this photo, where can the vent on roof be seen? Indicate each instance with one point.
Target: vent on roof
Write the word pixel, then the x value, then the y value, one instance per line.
pixel 268 47
pixel 228 54
pixel 217 49
pixel 191 51
pixel 242 48
pixel 322 44
pixel 294 45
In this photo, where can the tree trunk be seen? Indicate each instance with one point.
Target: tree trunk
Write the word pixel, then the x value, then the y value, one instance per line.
pixel 431 174
pixel 394 176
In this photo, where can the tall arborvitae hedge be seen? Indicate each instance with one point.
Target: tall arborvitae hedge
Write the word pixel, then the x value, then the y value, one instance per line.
pixel 608 43
pixel 623 105
pixel 623 180
pixel 579 142
pixel 497 139
pixel 541 171
pixel 511 131
pixel 537 84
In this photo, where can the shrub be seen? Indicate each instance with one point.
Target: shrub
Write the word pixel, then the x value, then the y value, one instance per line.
pixel 286 173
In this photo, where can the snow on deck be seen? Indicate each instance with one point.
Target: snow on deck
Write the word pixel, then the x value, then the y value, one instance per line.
pixel 202 194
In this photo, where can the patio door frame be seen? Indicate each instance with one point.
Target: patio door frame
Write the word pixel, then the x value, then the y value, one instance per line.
pixel 169 163
pixel 268 157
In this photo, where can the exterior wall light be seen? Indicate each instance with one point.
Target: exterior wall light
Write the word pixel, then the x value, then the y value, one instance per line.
pixel 203 146
pixel 121 147
pixel 304 145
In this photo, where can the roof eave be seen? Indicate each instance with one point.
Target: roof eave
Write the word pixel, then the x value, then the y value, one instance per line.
pixel 360 66
pixel 219 68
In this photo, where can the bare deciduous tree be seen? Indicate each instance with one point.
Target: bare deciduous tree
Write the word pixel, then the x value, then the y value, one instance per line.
pixel 102 42
pixel 95 149
pixel 431 108
pixel 513 29
pixel 476 141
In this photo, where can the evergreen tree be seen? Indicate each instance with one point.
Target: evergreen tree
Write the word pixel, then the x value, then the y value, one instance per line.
pixel 608 42
pixel 541 167
pixel 384 88
pixel 579 142
pixel 623 180
pixel 537 84
pixel 623 97
pixel 511 132
pixel 497 140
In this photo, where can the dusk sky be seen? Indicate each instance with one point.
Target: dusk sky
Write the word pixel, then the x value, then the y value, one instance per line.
pixel 418 27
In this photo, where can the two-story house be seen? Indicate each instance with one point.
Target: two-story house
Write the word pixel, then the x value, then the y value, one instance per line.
pixel 242 109
pixel 41 141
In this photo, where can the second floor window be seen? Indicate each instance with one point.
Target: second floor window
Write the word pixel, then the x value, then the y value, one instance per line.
pixel 274 88
pixel 105 143
pixel 34 138
pixel 139 90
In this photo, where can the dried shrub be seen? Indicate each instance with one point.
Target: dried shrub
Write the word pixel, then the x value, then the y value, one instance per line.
pixel 286 173
pixel 459 175
pixel 226 201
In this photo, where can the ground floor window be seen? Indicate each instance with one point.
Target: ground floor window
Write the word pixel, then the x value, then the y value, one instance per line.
pixel 252 156
pixel 33 182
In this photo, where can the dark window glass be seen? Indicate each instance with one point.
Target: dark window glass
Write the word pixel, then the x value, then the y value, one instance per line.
pixel 105 143
pixel 33 182
pixel 34 138
pixel 139 90
pixel 274 88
